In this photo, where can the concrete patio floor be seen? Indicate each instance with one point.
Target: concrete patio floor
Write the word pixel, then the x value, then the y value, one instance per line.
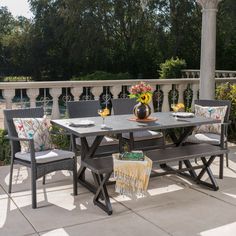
pixel 174 206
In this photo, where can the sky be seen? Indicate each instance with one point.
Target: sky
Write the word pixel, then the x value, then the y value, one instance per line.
pixel 17 7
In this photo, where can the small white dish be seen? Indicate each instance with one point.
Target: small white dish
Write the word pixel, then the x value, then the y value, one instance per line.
pixel 82 123
pixel 183 114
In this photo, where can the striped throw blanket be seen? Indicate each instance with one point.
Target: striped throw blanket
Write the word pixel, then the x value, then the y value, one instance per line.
pixel 132 177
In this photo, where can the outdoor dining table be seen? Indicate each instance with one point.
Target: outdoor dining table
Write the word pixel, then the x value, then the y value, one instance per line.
pixel 118 124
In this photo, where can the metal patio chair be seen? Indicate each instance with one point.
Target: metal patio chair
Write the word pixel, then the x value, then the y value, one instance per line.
pixel 212 138
pixel 141 140
pixel 82 109
pixel 42 162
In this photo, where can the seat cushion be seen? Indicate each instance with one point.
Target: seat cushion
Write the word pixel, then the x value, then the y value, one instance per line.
pixel 46 156
pixel 36 129
pixel 209 138
pixel 143 135
pixel 105 141
pixel 217 113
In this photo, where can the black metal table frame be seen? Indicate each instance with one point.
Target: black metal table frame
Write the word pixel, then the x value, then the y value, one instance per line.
pixel 89 151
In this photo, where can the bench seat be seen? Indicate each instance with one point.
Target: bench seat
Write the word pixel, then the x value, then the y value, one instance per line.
pixel 181 153
pixel 160 156
pixel 102 168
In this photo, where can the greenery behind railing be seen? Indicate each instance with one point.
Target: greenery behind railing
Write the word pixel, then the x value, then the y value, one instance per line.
pixel 15 79
pixel 227 91
pixel 4 148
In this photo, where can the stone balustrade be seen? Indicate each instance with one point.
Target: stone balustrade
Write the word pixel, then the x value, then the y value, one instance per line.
pixel 53 96
pixel 218 73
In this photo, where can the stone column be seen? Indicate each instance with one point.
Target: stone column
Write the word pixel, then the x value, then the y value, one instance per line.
pixel 33 94
pixel 55 93
pixel 208 48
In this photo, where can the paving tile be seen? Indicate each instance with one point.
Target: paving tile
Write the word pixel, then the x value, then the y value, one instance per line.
pixel 227 185
pixel 22 182
pixel 196 213
pixel 12 222
pixel 3 194
pixel 60 208
pixel 128 225
pixel 161 191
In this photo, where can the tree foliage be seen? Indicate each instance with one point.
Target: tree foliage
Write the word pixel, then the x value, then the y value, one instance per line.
pixel 72 38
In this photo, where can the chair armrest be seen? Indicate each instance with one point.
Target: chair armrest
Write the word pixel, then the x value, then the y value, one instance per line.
pixel 18 139
pixel 31 145
pixel 226 123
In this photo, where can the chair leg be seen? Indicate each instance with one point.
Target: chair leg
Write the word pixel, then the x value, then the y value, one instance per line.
pixel 227 159
pixel 75 178
pixel 33 186
pixel 221 169
pixel 10 179
pixel 44 179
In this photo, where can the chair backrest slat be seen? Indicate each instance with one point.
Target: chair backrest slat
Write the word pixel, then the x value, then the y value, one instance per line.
pixel 78 109
pixel 216 103
pixel 123 106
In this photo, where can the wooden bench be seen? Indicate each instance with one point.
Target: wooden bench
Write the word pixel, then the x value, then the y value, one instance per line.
pixel 102 168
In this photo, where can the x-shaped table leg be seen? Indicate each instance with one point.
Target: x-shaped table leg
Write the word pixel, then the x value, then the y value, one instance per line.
pixel 102 191
pixel 88 152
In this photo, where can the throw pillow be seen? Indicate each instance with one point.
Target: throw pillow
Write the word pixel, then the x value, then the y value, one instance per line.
pixel 217 113
pixel 35 128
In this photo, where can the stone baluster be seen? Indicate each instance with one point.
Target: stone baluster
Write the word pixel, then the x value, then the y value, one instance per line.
pixel 188 74
pixel 195 88
pixel 33 94
pixel 151 103
pixel 8 94
pixel 76 92
pixel 181 88
pixel 96 91
pixel 166 88
pixel 115 90
pixel 55 93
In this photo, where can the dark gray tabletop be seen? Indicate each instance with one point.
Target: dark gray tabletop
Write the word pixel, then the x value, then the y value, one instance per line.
pixel 121 124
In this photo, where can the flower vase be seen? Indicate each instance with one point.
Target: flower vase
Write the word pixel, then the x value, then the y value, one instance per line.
pixel 142 111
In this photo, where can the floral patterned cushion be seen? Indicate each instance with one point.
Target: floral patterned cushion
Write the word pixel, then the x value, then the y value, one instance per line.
pixel 35 128
pixel 217 113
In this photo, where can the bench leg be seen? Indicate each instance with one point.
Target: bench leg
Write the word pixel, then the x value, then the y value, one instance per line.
pixel 102 190
pixel 206 168
pixel 191 170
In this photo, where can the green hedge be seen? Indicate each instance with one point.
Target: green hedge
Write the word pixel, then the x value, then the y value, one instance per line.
pixel 5 148
pixel 171 68
pixel 227 91
pixel 102 75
